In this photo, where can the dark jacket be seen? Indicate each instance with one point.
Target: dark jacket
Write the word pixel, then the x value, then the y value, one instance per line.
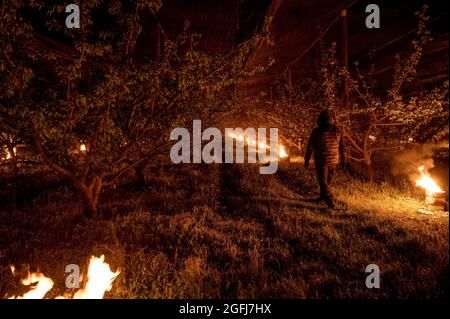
pixel 327 143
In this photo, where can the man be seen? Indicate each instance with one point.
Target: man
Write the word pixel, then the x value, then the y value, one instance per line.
pixel 327 143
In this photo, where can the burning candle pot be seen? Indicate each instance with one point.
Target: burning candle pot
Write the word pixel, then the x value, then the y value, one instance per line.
pixel 435 197
pixel 436 200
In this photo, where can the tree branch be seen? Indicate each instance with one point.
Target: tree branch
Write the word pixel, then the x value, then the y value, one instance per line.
pixel 41 151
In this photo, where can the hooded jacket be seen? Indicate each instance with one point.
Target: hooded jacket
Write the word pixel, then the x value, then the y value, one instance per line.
pixel 326 142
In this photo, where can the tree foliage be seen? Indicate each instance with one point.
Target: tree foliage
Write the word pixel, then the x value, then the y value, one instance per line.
pixel 92 110
pixel 380 119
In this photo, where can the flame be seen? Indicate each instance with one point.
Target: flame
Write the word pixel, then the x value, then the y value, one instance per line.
pixel 99 280
pixel 426 182
pixel 281 150
pixel 83 148
pixel 42 286
pixel 9 155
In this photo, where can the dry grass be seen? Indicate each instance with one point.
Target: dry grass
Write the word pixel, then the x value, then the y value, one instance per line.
pixel 228 232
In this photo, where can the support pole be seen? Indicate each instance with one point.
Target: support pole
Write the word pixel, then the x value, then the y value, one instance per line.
pixel 345 56
pixel 289 78
pixel 156 41
pixel 345 62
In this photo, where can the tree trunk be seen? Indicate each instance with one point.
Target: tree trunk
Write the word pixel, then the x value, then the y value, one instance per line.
pixel 368 166
pixel 13 161
pixel 91 205
pixel 91 195
pixel 156 40
pixel 289 79
pixel 139 171
pixel 161 166
pixel 15 166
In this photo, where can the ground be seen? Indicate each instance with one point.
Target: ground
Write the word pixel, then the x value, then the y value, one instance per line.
pixel 224 231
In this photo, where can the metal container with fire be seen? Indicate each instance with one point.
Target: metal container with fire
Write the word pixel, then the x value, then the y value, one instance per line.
pixel 436 200
pixel 435 197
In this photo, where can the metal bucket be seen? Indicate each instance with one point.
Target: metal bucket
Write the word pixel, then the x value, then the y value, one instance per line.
pixel 436 200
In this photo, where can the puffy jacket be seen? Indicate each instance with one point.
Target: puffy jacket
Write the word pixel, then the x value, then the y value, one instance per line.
pixel 327 143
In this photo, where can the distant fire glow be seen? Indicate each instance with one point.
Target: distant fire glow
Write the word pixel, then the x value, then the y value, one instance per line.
pixel 281 150
pixel 9 155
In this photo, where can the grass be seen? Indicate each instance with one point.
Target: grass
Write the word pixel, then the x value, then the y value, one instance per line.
pixel 210 231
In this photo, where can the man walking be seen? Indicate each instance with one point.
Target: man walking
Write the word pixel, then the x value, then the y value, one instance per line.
pixel 327 144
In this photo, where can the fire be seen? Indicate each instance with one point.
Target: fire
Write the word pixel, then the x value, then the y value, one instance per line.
pixel 281 150
pixel 41 283
pixel 426 182
pixel 83 148
pixel 9 155
pixel 99 280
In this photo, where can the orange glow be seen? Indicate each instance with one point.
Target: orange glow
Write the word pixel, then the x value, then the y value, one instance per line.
pixel 99 280
pixel 9 155
pixel 41 286
pixel 281 150
pixel 426 182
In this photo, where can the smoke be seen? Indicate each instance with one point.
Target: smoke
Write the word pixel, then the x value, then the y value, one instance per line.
pixel 408 161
